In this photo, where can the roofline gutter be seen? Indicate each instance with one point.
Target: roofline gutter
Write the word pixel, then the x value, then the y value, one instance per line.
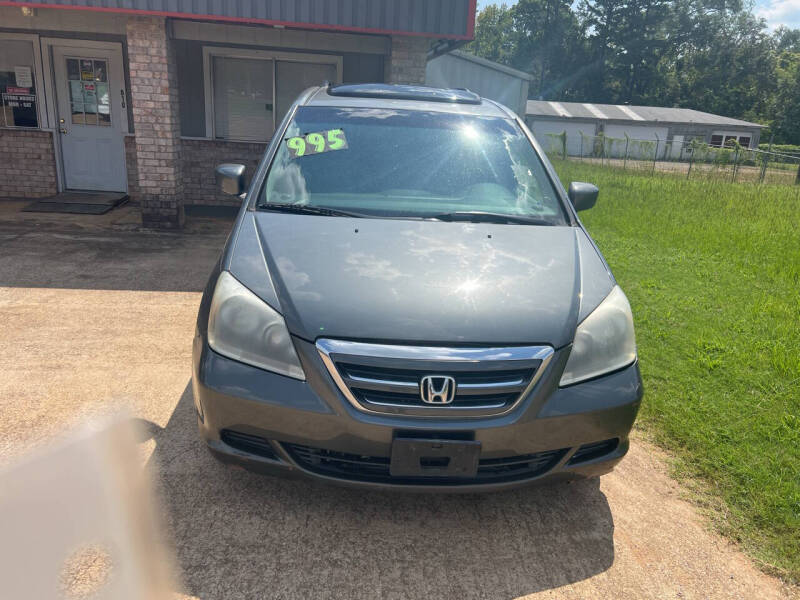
pixel 468 36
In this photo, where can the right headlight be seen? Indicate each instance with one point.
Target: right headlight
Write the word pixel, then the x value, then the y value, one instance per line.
pixel 604 341
pixel 243 327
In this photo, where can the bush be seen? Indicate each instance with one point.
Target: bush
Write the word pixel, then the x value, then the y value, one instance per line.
pixel 781 148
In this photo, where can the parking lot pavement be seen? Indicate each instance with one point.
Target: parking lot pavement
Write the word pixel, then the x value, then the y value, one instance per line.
pixel 99 317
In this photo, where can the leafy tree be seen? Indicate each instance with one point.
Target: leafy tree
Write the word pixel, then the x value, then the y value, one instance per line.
pixel 549 41
pixel 495 38
pixel 601 22
pixel 785 103
pixel 736 75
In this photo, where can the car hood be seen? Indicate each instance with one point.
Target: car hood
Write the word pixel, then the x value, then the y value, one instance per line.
pixel 414 281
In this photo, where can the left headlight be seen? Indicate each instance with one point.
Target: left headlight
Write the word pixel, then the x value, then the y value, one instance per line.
pixel 604 341
pixel 243 327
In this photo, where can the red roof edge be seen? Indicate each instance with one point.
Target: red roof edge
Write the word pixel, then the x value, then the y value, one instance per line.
pixel 312 26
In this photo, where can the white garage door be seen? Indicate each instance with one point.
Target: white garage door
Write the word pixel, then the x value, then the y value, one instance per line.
pixel 644 133
pixel 545 133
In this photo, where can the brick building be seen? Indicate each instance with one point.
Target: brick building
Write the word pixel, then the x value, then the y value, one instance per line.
pixel 146 97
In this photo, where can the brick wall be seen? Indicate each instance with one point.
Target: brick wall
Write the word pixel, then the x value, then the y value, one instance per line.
pixel 154 94
pixel 407 60
pixel 133 168
pixel 201 157
pixel 27 163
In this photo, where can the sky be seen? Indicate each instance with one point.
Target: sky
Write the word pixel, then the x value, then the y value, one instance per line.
pixel 776 12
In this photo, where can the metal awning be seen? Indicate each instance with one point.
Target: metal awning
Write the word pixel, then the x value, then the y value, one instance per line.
pixel 439 19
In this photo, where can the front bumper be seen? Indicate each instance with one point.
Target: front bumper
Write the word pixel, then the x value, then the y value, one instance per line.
pixel 277 425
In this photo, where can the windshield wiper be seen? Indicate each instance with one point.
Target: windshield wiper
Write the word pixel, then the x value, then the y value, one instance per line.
pixel 307 209
pixel 479 216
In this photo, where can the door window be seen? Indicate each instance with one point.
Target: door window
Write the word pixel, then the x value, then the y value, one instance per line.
pixel 88 91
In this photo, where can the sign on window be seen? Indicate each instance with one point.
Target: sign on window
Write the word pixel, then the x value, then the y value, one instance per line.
pixel 18 93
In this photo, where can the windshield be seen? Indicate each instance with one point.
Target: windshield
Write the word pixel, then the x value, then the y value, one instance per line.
pixel 402 163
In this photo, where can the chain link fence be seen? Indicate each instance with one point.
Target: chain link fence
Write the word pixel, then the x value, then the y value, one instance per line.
pixel 691 159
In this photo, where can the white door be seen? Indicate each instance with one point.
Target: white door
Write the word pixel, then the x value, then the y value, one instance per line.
pixel 90 96
pixel 547 132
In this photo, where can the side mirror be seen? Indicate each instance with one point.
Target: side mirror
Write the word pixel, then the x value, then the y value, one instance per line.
pixel 583 195
pixel 230 179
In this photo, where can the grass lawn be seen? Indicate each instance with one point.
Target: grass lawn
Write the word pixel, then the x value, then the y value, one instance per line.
pixel 712 271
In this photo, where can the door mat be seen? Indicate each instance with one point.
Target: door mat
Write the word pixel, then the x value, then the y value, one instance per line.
pixel 78 203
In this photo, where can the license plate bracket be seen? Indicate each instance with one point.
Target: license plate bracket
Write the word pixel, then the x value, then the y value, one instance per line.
pixel 413 457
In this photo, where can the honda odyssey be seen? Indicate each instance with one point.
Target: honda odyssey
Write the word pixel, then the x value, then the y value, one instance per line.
pixel 408 300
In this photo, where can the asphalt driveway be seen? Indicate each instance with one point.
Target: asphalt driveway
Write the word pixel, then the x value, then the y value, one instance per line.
pixel 96 314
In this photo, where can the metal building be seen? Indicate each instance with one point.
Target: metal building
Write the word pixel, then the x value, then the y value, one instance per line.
pixel 670 129
pixel 489 79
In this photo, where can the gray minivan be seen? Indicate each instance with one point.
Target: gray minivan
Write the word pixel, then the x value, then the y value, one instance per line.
pixel 408 300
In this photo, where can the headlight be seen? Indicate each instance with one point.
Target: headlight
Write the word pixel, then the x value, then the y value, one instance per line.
pixel 242 327
pixel 604 342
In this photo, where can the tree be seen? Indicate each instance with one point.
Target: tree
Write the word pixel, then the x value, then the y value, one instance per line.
pixel 785 105
pixel 601 22
pixel 495 38
pixel 734 75
pixel 549 42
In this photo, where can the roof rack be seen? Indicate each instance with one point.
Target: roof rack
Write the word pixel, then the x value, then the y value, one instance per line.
pixel 405 92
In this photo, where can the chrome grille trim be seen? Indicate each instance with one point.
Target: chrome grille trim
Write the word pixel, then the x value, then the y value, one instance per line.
pixel 458 409
pixel 443 353
pixel 381 384
pixel 499 387
pixel 460 359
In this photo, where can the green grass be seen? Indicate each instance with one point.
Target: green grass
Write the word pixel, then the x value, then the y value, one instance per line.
pixel 712 271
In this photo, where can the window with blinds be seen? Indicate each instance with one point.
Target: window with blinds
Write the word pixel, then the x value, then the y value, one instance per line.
pixel 243 99
pixel 251 94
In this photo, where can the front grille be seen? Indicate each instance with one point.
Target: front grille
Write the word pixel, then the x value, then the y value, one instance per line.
pixel 387 378
pixel 375 469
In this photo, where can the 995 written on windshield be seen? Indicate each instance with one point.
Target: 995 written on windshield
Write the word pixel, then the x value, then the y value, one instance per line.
pixel 316 143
